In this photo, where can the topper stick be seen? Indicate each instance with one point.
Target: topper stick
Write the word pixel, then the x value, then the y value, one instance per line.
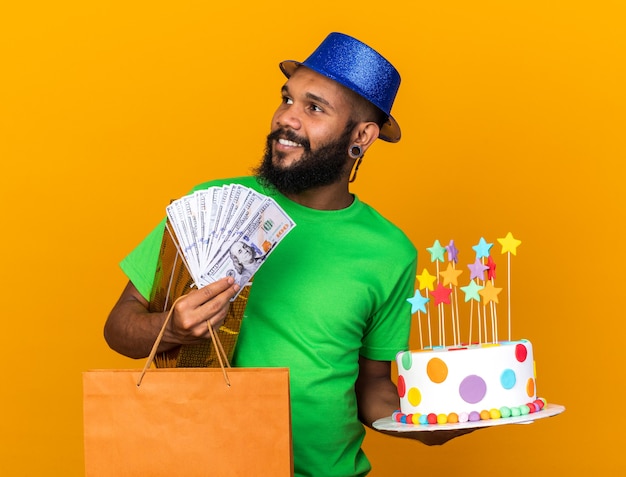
pixel 470 322
pixel 495 320
pixel 495 311
pixel 484 319
pixel 485 322
pixel 457 338
pixel 442 324
pixel 439 308
pixel 479 323
pixel 484 316
pixel 494 326
pixel 430 333
pixel 419 325
pixel 508 287
pixel 454 309
pixel 453 258
pixel 453 317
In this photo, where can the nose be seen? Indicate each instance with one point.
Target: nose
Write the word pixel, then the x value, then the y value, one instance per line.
pixel 286 116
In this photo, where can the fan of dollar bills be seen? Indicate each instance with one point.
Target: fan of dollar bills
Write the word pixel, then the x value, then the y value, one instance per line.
pixel 226 231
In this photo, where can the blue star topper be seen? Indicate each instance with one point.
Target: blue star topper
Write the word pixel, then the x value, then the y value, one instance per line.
pixel 482 248
pixel 418 302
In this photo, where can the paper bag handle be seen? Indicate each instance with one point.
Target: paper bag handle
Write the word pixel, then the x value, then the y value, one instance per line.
pixel 219 349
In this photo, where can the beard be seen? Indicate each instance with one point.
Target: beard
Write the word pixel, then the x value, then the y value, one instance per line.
pixel 316 168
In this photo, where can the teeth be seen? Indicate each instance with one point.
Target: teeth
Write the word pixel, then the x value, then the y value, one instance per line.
pixel 285 142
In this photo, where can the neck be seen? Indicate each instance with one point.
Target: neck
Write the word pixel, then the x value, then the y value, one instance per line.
pixel 331 197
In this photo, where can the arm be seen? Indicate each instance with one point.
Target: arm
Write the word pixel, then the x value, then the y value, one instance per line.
pixel 377 397
pixel 131 329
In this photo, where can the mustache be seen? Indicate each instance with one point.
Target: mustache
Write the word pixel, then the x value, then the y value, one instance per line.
pixel 288 134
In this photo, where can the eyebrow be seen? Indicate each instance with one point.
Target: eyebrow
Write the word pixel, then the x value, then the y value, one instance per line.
pixel 311 96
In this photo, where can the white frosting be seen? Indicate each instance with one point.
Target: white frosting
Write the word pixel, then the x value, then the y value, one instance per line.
pixel 462 380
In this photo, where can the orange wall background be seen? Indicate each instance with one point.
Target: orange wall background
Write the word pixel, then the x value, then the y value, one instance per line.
pixel 513 117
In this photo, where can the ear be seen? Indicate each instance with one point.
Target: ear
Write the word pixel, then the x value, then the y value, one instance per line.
pixel 364 134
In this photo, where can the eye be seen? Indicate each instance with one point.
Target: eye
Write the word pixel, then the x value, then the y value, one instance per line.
pixel 287 100
pixel 316 108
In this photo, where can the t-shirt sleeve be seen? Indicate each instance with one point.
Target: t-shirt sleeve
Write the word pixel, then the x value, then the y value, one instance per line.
pixel 388 331
pixel 141 263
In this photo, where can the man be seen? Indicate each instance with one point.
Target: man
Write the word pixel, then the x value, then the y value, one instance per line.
pixel 330 301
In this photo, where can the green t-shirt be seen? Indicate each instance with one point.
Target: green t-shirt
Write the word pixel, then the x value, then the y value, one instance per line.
pixel 335 288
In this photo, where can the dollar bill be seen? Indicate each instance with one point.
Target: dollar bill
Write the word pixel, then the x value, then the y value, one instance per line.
pixel 226 231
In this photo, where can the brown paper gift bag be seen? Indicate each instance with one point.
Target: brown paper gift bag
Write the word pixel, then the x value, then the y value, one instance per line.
pixel 187 422
pixel 190 422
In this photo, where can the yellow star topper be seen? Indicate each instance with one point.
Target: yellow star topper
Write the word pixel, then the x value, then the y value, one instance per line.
pixel 426 280
pixel 509 244
pixel 489 293
pixel 450 275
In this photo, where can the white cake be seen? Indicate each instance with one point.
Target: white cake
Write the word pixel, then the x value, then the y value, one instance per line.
pixel 447 382
pixel 467 383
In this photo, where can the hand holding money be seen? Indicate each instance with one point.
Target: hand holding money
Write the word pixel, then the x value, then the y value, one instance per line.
pixel 199 309
pixel 223 235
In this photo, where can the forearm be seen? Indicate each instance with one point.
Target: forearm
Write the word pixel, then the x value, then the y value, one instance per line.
pixel 131 330
pixel 377 397
pixel 376 400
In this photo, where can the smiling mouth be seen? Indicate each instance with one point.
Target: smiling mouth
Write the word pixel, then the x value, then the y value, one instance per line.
pixel 287 142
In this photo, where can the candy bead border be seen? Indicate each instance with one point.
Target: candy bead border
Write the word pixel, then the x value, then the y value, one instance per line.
pixel 474 416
